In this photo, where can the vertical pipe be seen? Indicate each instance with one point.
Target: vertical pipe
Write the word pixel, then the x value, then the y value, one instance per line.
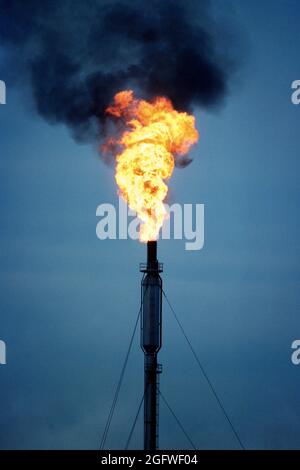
pixel 150 403
pixel 151 343
pixel 152 253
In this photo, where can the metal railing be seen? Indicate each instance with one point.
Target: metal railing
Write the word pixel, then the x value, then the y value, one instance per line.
pixel 146 268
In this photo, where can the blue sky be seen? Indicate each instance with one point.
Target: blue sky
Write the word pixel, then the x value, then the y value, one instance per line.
pixel 68 301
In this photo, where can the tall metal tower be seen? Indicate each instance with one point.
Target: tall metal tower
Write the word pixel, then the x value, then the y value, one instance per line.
pixel 151 338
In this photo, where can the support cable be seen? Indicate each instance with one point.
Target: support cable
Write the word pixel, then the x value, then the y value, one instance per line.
pixel 134 423
pixel 116 395
pixel 177 421
pixel 205 374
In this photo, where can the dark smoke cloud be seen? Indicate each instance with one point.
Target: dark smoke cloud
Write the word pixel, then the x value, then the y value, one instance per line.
pixel 78 54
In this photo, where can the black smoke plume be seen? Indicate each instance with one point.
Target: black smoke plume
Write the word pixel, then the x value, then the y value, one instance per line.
pixel 77 54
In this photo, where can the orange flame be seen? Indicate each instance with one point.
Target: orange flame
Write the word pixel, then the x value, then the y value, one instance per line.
pixel 155 134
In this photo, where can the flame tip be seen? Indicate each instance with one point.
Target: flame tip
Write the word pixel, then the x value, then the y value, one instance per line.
pixel 155 134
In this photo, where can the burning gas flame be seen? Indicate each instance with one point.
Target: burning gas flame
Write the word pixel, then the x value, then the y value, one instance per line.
pixel 155 134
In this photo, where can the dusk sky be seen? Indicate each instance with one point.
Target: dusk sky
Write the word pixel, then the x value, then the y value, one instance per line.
pixel 69 301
